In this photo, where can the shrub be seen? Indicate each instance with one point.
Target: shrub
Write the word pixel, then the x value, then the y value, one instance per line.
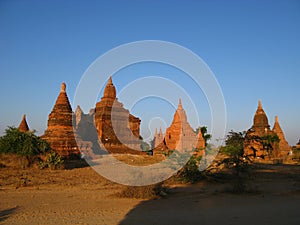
pixel 52 161
pixel 22 143
pixel 190 172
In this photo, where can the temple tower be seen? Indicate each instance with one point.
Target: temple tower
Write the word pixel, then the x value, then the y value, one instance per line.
pixel 118 130
pixel 256 137
pixel 180 136
pixel 59 131
pixel 283 146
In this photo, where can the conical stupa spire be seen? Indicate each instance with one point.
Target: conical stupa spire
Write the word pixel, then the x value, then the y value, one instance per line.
pixel 160 132
pixel 109 82
pixel 179 104
pixel 276 127
pixel 110 90
pixel 62 100
pixel 78 109
pixel 260 120
pixel 283 144
pixel 259 104
pixel 155 132
pixel 59 133
pixel 23 127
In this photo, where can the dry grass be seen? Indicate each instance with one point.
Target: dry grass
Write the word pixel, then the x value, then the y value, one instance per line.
pixel 139 160
pixel 142 192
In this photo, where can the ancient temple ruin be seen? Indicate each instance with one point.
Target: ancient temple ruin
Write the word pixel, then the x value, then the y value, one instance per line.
pixel 257 140
pixel 118 130
pixel 158 138
pixel 283 146
pixel 109 127
pixel 23 127
pixel 179 136
pixel 59 131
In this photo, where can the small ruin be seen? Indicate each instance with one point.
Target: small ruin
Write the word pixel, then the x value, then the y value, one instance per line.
pixel 23 127
pixel 260 140
pixel 179 136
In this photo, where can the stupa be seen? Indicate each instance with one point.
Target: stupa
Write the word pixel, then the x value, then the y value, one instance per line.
pixel 253 144
pixel 59 131
pixel 23 127
pixel 283 146
pixel 180 135
pixel 118 130
pixel 158 137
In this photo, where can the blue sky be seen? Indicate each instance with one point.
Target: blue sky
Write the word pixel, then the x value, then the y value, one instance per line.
pixel 251 46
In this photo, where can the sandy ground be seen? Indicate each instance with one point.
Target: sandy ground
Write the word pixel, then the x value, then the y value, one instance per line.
pixel 81 196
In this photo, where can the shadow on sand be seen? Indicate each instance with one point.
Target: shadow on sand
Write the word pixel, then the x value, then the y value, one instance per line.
pixel 4 214
pixel 276 202
pixel 191 207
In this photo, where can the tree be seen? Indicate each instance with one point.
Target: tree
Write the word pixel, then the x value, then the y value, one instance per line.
pixel 234 144
pixel 269 141
pixel 235 149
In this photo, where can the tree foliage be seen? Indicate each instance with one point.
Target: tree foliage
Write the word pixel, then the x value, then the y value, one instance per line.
pixel 22 143
pixel 234 144
pixel 235 149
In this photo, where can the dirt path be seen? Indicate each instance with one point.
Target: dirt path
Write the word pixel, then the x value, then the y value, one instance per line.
pixel 68 206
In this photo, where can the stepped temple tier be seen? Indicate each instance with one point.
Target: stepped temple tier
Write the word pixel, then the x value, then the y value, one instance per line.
pixel 59 132
pixel 115 129
pixel 261 141
pixel 23 127
pixel 179 136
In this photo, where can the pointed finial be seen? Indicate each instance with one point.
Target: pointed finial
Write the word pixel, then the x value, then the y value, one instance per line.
pixel 24 117
pixel 160 131
pixel 179 104
pixel 63 87
pixel 78 109
pixel 109 80
pixel 155 132
pixel 259 104
pixel 276 119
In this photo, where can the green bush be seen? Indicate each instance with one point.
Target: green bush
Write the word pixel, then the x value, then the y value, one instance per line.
pixel 22 143
pixel 190 172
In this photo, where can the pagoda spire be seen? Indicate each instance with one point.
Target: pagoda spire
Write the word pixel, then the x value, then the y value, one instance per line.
pixel 63 88
pixel 23 127
pixel 110 90
pixel 109 82
pixel 284 147
pixel 179 104
pixel 259 104
pixel 160 132
pixel 155 135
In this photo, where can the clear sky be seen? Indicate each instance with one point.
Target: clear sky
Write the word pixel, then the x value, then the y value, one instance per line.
pixel 252 47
